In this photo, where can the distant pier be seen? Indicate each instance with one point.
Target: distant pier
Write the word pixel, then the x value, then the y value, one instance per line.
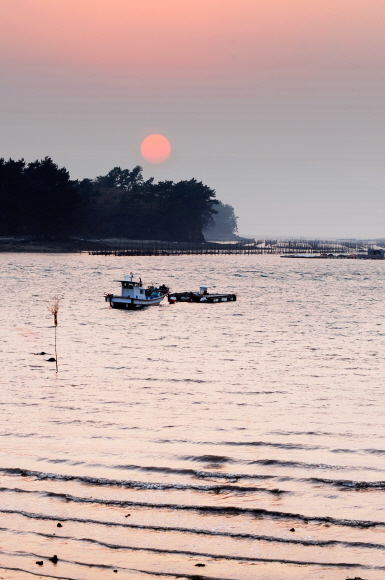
pixel 322 248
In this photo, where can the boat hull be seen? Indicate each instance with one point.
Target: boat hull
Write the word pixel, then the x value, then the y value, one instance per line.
pixel 132 303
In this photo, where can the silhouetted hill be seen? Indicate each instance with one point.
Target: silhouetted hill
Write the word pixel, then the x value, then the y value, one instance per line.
pixel 40 200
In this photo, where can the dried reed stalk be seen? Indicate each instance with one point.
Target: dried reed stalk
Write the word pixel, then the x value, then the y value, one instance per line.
pixel 54 309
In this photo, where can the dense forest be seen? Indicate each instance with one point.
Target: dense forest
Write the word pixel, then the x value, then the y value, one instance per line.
pixel 40 200
pixel 223 225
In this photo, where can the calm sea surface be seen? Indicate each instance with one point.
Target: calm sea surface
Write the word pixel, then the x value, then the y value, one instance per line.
pixel 231 441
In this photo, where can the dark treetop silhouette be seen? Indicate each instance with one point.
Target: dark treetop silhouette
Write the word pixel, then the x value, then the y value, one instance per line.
pixel 40 200
pixel 37 199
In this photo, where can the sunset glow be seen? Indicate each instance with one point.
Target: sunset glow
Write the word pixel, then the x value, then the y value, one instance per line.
pixel 265 100
pixel 183 37
pixel 155 148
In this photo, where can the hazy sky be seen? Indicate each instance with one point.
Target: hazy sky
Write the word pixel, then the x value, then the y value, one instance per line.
pixel 277 104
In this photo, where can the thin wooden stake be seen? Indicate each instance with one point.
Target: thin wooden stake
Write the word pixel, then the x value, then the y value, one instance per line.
pixel 54 308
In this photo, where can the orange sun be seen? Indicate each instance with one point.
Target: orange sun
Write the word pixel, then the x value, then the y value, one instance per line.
pixel 155 148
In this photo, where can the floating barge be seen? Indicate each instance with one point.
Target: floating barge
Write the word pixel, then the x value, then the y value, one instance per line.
pixel 373 254
pixel 202 296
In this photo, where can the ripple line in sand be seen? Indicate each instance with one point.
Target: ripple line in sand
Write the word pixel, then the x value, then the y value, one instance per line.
pixel 208 556
pixel 193 531
pixel 213 510
pixel 130 484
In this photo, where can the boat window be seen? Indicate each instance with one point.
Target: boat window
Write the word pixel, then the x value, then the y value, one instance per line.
pixel 125 285
pixel 131 286
pixel 141 291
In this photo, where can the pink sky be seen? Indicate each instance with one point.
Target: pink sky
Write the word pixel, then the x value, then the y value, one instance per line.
pixel 184 36
pixel 276 87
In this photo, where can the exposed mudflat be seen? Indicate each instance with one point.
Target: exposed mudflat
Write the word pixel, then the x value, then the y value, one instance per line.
pixel 229 441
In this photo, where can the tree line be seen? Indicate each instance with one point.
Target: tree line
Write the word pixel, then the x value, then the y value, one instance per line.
pixel 40 200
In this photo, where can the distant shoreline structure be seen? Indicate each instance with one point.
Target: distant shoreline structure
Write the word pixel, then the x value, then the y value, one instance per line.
pixel 124 247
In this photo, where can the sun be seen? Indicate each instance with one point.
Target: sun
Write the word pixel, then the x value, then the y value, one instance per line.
pixel 155 148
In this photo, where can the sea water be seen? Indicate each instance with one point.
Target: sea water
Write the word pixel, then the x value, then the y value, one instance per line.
pixel 243 440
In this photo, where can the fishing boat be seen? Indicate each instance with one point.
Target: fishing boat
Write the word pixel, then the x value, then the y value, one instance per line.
pixel 134 295
pixel 202 296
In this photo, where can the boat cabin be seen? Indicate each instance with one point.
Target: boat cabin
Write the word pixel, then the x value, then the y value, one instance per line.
pixel 379 253
pixel 132 289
